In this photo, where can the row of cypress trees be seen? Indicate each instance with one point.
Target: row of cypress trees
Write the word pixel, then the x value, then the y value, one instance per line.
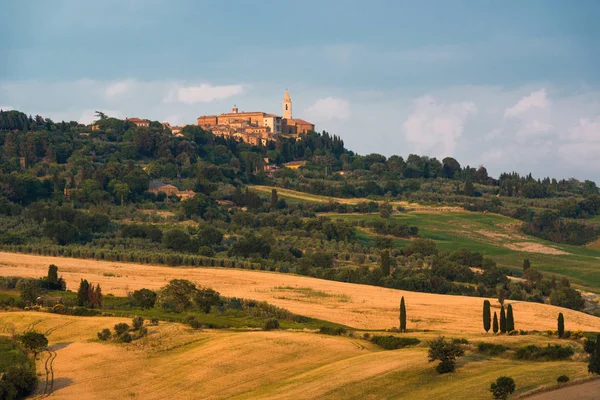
pixel 507 320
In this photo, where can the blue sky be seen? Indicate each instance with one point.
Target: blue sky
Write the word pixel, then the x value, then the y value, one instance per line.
pixel 512 85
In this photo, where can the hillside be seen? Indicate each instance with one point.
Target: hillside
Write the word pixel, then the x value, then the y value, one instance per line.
pixel 357 306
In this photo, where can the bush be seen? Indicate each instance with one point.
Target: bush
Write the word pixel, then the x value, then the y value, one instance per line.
pixel 126 337
pixel 491 349
pixel 104 334
pixel 195 324
pixel 562 379
pixel 121 328
pixel 18 381
pixel 328 330
pixel 271 324
pixel 143 331
pixel 503 387
pixel 460 341
pixel 154 321
pixel 514 332
pixel 446 352
pixel 549 353
pixel 137 322
pixel 394 342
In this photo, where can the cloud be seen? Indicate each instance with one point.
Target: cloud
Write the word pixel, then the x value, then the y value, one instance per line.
pixel 118 88
pixel 586 130
pixel 329 108
pixel 434 127
pixel 535 100
pixel 204 93
pixel 535 127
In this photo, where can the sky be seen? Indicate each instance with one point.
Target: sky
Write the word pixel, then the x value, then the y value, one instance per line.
pixel 511 85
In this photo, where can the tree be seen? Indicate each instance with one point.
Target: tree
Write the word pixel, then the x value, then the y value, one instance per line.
pixel 95 296
pixel 503 387
pixel 402 315
pixel 205 298
pixel 18 381
pixel 502 320
pixel 561 325
pixel 510 321
pixel 121 328
pixel 469 190
pixel 486 315
pixel 501 295
pixel 34 341
pixel 271 324
pixel 594 364
pixel 567 297
pixel 177 240
pixel 385 210
pixel 52 276
pixel 526 264
pixel 385 262
pixel 30 291
pixel 122 191
pixel 495 324
pixel 177 295
pixel 137 322
pixel 144 298
pixel 83 293
pixel 274 199
pixel 446 352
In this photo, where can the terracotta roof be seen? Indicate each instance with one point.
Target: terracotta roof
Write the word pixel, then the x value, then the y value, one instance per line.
pixel 299 121
pixel 138 120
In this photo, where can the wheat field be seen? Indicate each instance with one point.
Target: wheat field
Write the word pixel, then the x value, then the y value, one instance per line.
pixel 357 306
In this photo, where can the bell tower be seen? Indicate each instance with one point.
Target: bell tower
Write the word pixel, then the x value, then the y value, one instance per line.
pixel 287 106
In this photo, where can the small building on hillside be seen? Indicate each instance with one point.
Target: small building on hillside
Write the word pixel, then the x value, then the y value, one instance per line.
pixel 157 187
pixel 139 122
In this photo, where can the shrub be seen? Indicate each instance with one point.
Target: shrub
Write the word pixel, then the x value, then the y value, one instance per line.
pixel 143 331
pixel 271 324
pixel 137 322
pixel 491 349
pixel 446 352
pixel 104 334
pixel 514 332
pixel 548 353
pixel 503 387
pixel 121 328
pixel 390 342
pixel 328 330
pixel 126 337
pixel 144 298
pixel 18 381
pixel 460 341
pixel 195 324
pixel 154 320
pixel 577 334
pixel 562 379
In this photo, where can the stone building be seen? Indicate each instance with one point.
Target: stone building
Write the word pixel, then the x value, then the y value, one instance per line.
pixel 256 127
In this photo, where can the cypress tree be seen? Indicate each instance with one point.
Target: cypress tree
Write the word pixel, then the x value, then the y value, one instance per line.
pixel 510 321
pixel 274 199
pixel 502 320
pixel 561 325
pixel 526 264
pixel 385 262
pixel 82 293
pixel 594 365
pixel 495 325
pixel 486 315
pixel 402 315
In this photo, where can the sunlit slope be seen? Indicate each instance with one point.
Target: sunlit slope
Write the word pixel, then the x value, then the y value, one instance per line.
pixel 174 361
pixel 359 306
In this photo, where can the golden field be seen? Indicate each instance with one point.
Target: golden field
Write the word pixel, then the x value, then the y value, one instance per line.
pixel 357 306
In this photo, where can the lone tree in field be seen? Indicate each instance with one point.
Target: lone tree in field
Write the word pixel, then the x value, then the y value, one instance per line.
pixel 487 317
pixel 446 352
pixel 526 264
pixel 502 320
pixel 34 341
pixel 594 364
pixel 402 315
pixel 503 387
pixel 510 319
pixel 561 325
pixel 495 326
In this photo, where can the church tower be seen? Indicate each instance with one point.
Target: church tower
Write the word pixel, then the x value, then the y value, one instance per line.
pixel 287 106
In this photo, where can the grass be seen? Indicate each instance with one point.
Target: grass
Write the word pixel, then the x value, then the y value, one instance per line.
pixel 496 237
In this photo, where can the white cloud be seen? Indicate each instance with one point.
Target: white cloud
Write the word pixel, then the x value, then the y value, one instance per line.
pixel 586 129
pixel 204 93
pixel 535 127
pixel 117 88
pixel 329 108
pixel 535 100
pixel 434 127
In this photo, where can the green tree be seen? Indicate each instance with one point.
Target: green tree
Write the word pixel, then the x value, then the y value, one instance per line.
pixel 83 293
pixel 594 364
pixel 177 295
pixel 495 324
pixel 487 315
pixel 137 322
pixel 526 264
pixel 503 387
pixel 510 321
pixel 53 276
pixel 502 320
pixel 567 297
pixel 121 328
pixel 30 291
pixel 446 352
pixel 122 191
pixel 205 298
pixel 144 298
pixel 385 210
pixel 385 262
pixel 469 190
pixel 561 325
pixel 402 315
pixel 177 240
pixel 34 341
pixel 274 199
